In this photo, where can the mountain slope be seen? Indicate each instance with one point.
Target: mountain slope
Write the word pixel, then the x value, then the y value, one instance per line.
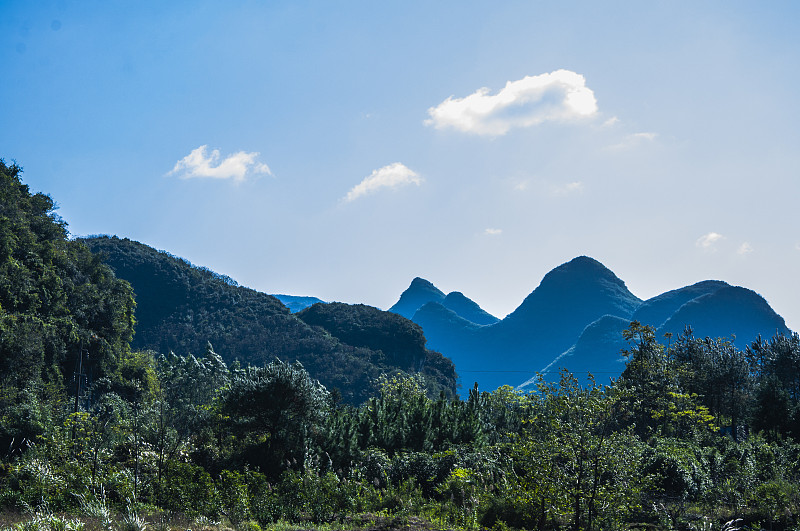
pixel 418 294
pixel 547 323
pixel 182 307
pixel 573 295
pixel 440 321
pixel 56 298
pixel 468 309
pixel 597 351
pixel 656 311
pixel 399 340
pixel 727 312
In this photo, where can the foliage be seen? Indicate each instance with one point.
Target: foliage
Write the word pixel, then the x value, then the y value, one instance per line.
pixel 275 410
pixel 180 308
pixel 695 434
pixel 58 301
pixel 399 339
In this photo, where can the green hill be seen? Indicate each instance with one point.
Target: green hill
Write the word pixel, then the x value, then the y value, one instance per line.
pixel 60 309
pixel 182 307
pixel 55 296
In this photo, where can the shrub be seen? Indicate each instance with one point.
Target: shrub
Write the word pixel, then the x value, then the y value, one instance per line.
pixel 189 489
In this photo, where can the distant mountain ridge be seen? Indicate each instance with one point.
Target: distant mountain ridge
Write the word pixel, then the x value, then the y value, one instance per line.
pixel 575 318
pixel 296 303
pixel 468 309
pixel 731 311
pixel 657 310
pixel 419 293
pixel 422 292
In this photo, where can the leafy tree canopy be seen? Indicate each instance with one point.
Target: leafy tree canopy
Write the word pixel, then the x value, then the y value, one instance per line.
pixel 55 295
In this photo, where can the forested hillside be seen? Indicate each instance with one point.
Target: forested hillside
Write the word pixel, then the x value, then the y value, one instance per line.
pixel 697 433
pixel 57 300
pixel 181 308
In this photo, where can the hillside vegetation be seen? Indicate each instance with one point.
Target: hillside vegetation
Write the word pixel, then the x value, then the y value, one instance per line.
pixel 57 300
pixel 697 433
pixel 181 308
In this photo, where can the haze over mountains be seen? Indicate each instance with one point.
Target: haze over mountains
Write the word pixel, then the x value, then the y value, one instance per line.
pixel 574 319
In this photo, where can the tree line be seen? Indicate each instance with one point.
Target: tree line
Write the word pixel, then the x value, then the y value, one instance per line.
pixel 694 434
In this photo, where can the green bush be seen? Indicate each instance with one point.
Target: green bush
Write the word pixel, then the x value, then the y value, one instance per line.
pixel 188 489
pixel 776 501
pixel 679 470
pixel 233 496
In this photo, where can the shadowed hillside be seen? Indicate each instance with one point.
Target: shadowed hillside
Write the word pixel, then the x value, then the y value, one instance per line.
pixel 656 311
pixel 468 309
pixel 180 308
pixel 732 312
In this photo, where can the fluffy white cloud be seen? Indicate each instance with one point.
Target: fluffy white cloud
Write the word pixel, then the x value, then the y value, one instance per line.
pixel 392 176
pixel 707 241
pixel 745 248
pixel 493 232
pixel 557 96
pixel 199 164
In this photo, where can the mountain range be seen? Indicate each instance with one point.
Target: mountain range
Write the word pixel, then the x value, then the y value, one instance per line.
pixel 574 319
pixel 105 295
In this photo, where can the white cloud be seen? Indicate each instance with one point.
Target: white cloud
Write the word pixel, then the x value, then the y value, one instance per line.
pixel 708 241
pixel 532 100
pixel 493 232
pixel 567 189
pixel 644 136
pixel 634 140
pixel 745 248
pixel 199 164
pixel 391 176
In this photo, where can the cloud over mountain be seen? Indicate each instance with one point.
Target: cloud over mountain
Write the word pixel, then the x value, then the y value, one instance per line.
pixel 556 96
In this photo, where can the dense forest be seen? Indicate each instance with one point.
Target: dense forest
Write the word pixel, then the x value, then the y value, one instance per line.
pixel 95 434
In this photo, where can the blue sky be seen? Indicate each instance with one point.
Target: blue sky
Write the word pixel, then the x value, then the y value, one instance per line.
pixel 339 149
